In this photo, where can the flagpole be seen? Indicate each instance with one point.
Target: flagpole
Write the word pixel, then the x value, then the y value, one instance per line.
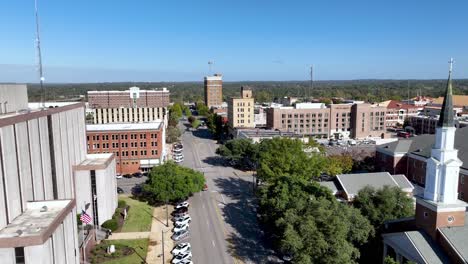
pixel 84 246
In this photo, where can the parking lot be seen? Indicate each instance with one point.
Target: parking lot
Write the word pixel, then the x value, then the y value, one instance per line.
pixel 128 183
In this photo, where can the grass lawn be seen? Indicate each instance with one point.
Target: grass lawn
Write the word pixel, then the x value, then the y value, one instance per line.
pixel 139 216
pixel 140 246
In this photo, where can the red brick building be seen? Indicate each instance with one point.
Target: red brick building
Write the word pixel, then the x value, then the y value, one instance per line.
pixel 408 157
pixel 137 147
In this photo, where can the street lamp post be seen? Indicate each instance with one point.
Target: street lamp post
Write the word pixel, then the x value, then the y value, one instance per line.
pixel 162 240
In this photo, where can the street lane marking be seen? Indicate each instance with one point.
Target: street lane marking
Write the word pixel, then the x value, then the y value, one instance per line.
pixel 212 242
pixel 203 206
pixel 224 202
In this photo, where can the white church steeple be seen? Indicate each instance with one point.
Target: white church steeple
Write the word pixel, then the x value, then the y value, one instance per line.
pixel 443 167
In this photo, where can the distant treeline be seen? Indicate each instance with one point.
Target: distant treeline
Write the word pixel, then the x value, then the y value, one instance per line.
pixel 265 91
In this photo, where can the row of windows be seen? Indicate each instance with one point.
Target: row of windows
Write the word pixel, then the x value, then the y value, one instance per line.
pixel 306 115
pixel 135 153
pixel 122 136
pixel 243 104
pixel 123 145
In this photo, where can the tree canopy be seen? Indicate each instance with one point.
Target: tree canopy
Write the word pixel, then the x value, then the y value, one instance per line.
pixel 171 182
pixel 305 221
pixel 380 205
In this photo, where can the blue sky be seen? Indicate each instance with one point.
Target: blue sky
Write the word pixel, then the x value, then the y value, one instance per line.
pixel 156 40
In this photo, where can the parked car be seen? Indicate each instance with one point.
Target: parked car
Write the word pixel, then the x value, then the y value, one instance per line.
pixel 179 159
pixel 186 261
pixel 120 190
pixel 137 174
pixel 181 248
pixel 182 219
pixel 118 176
pixel 205 187
pixel 187 220
pixel 178 215
pixel 182 204
pixel 181 257
pixel 403 134
pixel 181 210
pixel 182 226
pixel 180 235
pixel 127 176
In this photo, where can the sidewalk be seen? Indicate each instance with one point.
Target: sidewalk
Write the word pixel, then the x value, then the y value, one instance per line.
pixel 129 235
pixel 154 254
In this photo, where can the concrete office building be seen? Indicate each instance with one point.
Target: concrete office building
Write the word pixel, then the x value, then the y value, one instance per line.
pixel 39 149
pixel 337 121
pixel 96 182
pixel 313 120
pixel 130 106
pixel 137 146
pixel 213 86
pixel 241 110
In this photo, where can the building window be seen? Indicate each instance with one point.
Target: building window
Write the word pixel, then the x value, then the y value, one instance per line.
pixel 19 255
pixel 426 214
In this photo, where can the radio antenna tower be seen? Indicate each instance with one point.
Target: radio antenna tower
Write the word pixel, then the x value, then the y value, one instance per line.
pixel 39 56
pixel 210 65
pixel 311 84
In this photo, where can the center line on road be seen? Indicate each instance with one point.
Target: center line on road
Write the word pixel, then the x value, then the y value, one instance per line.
pixel 212 242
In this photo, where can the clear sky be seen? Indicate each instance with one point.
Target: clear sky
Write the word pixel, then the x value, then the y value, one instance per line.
pixel 172 40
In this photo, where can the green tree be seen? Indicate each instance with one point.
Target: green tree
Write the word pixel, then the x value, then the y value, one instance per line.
pixel 263 96
pixel 304 220
pixel 195 123
pixel 378 206
pixel 339 164
pixel 187 112
pixel 202 109
pixel 390 260
pixel 173 134
pixel 384 204
pixel 242 151
pixel 171 182
pixel 286 157
pixel 176 110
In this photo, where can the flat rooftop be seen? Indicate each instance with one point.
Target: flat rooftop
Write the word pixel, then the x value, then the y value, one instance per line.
pixel 161 90
pixel 98 161
pixel 35 225
pixel 124 126
pixel 36 111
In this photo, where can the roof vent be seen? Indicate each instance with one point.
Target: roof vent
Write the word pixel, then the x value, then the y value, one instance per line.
pixel 19 232
pixel 44 209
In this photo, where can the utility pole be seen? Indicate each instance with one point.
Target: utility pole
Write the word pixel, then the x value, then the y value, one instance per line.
pixel 167 214
pixel 39 56
pixel 311 85
pixel 210 65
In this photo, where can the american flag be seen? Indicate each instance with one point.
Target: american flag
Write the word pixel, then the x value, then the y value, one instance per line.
pixel 85 218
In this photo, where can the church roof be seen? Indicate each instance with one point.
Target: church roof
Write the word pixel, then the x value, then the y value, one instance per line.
pixel 457 237
pixel 446 114
pixel 417 246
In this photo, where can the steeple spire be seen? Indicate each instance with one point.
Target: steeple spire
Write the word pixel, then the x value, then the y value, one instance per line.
pixel 446 113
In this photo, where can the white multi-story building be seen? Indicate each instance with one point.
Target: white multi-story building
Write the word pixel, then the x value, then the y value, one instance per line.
pixel 41 149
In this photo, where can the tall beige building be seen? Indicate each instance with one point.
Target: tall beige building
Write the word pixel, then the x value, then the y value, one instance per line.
pixel 214 90
pixel 241 110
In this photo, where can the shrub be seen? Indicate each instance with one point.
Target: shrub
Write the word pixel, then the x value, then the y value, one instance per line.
pixel 116 215
pixel 111 224
pixel 122 204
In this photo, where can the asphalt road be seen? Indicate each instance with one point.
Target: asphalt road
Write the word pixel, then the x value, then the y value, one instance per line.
pixel 224 227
